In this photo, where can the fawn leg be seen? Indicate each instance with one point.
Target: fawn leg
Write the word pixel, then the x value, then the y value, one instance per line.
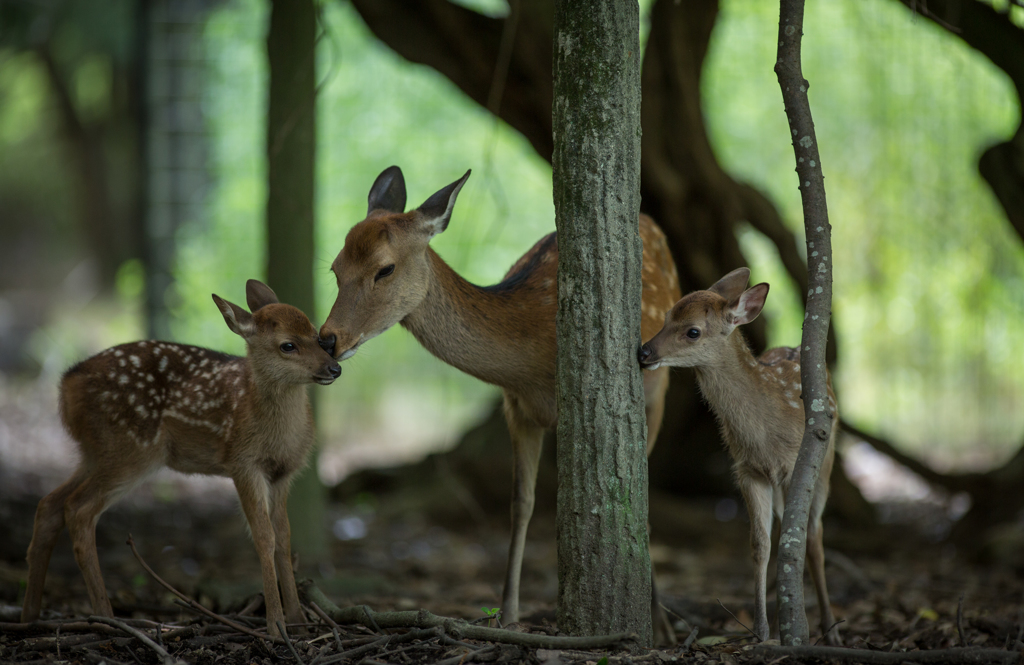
pixel 283 551
pixel 655 385
pixel 82 510
pixel 48 524
pixel 816 562
pixel 527 442
pixel 253 493
pixel 758 496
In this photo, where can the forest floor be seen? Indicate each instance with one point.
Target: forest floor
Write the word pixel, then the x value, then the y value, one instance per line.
pixel 894 589
pixel 896 586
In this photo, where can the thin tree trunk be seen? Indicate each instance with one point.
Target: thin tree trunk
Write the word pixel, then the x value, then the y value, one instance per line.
pixel 818 418
pixel 604 566
pixel 291 142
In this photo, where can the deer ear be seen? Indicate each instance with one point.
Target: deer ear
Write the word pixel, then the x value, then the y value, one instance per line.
pixel 436 211
pixel 732 285
pixel 388 191
pixel 749 304
pixel 239 321
pixel 258 294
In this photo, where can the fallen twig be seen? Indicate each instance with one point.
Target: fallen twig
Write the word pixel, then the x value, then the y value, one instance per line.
pixel 457 627
pixel 193 604
pixel 468 657
pixel 288 641
pixel 955 655
pixel 756 637
pixel 140 636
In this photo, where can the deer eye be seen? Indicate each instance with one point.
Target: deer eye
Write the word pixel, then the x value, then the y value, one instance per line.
pixel 384 272
pixel 288 347
pixel 693 333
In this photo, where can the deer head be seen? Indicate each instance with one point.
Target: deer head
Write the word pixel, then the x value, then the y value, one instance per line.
pixel 383 269
pixel 699 325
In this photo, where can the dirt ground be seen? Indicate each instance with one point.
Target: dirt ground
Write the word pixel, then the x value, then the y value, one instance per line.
pixel 894 588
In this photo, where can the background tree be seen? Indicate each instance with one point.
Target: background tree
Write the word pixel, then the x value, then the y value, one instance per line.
pixel 291 158
pixel 603 564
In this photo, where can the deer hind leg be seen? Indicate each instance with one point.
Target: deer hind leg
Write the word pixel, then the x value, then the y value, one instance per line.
pixel 758 496
pixel 283 552
pixel 816 562
pixel 527 443
pixel 97 491
pixel 254 495
pixel 47 527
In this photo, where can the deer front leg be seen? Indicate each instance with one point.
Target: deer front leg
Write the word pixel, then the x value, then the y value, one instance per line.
pixel 758 496
pixel 253 494
pixel 283 552
pixel 527 442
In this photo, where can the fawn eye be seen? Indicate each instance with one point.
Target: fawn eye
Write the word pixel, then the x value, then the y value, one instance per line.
pixel 288 347
pixel 384 272
pixel 693 333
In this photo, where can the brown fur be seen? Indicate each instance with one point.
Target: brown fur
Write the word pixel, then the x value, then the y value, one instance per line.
pixel 137 407
pixel 759 403
pixel 502 334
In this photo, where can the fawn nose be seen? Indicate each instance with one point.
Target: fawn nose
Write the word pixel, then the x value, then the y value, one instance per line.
pixel 327 344
pixel 334 370
pixel 644 353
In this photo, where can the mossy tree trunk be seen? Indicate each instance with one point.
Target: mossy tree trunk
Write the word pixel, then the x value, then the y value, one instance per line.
pixel 603 563
pixel 291 142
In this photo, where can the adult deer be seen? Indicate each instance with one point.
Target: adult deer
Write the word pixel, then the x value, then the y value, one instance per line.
pixel 502 334
pixel 760 407
pixel 138 407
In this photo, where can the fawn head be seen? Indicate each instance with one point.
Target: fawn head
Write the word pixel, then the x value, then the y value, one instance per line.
pixel 697 327
pixel 383 271
pixel 281 342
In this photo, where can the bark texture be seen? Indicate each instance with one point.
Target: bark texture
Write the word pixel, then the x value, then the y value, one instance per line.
pixel 291 141
pixel 603 563
pixel 819 421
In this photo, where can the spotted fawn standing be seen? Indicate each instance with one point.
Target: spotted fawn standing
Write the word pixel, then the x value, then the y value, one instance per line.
pixel 759 404
pixel 138 407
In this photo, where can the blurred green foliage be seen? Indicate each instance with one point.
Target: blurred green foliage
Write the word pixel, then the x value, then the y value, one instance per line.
pixel 929 283
pixel 929 277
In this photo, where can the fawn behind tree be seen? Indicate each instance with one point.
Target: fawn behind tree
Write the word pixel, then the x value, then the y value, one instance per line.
pixel 759 404
pixel 138 407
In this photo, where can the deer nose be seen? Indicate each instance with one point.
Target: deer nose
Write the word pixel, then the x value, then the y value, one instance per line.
pixel 644 353
pixel 334 370
pixel 327 344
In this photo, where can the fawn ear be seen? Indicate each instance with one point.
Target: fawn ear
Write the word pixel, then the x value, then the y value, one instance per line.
pixel 388 191
pixel 239 320
pixel 731 286
pixel 436 211
pixel 258 294
pixel 748 305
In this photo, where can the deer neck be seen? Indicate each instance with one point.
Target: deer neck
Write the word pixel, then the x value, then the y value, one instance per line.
pixel 270 396
pixel 734 387
pixel 492 335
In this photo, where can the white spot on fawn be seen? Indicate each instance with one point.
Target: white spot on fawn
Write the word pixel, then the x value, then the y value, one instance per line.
pixel 122 380
pixel 163 364
pixel 135 361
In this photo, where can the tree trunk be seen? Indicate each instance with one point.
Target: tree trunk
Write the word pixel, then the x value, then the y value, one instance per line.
pixel 291 141
pixel 818 415
pixel 603 563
